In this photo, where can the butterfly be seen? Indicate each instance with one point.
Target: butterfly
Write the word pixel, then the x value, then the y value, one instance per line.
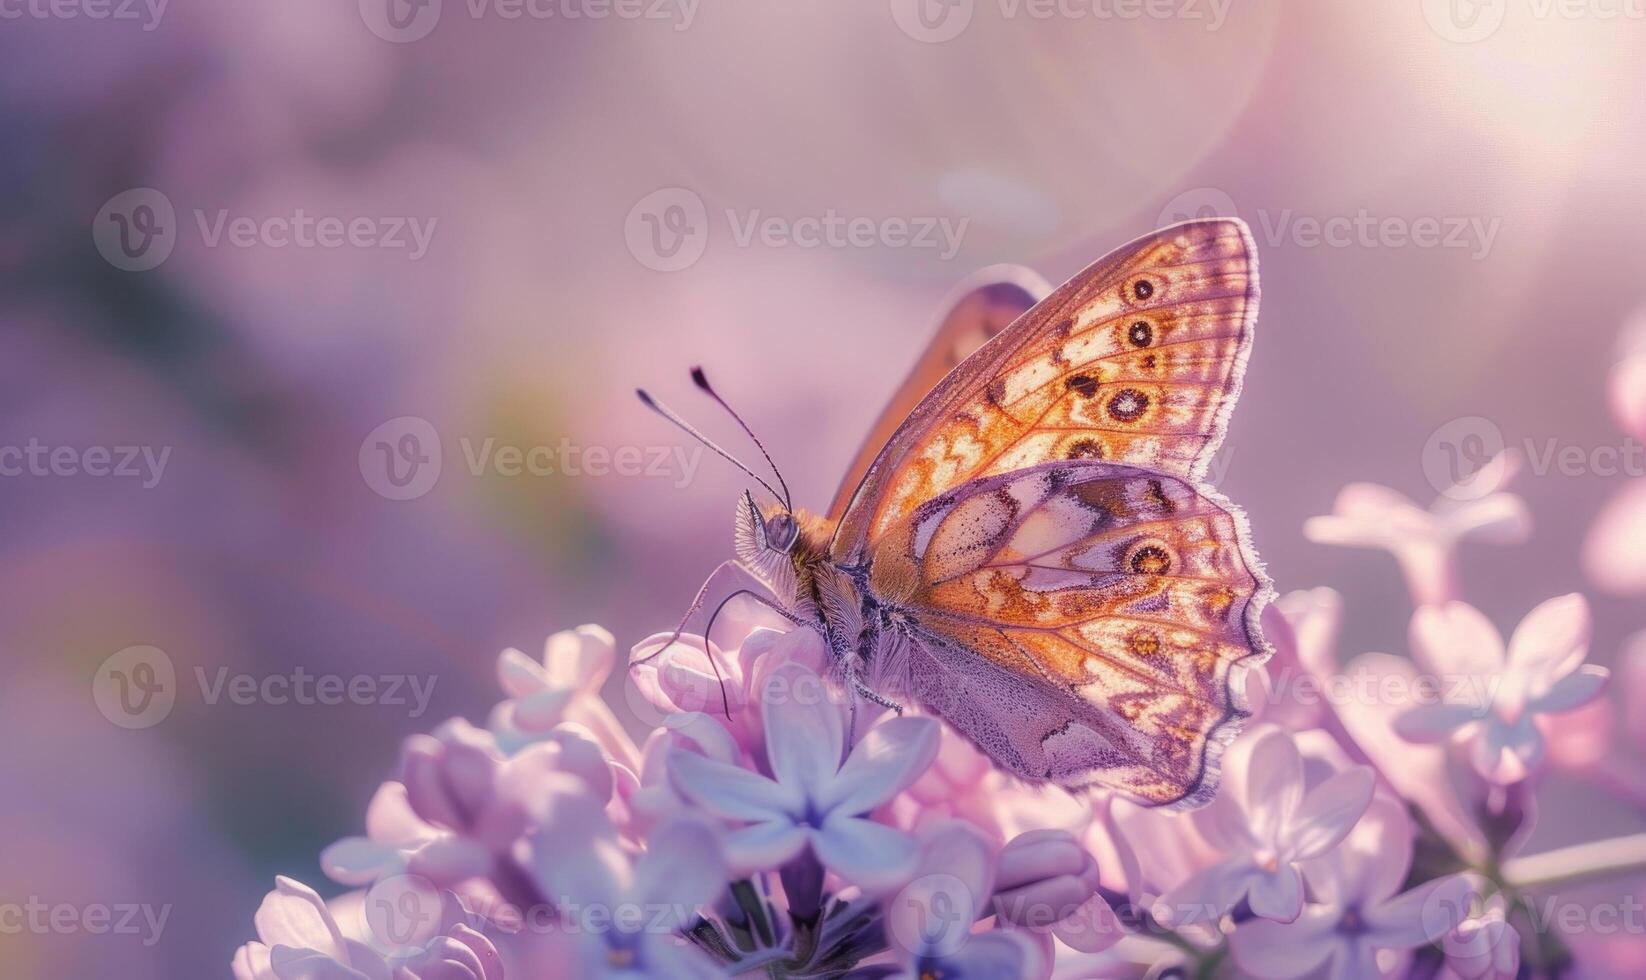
pixel 1025 547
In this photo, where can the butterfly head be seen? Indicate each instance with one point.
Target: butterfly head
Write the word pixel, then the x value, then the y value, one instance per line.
pixel 769 544
pixel 775 529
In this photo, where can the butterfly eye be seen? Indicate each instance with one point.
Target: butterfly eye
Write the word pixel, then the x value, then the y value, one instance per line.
pixel 781 532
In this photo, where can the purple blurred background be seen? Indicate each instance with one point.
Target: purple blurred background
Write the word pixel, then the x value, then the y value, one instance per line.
pixel 501 225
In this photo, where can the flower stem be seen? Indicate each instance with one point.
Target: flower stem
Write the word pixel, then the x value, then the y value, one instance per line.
pixel 1565 865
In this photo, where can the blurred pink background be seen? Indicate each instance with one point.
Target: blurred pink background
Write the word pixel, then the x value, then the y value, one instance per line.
pixel 531 151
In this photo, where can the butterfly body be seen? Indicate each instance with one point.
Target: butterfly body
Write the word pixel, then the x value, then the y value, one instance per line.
pixel 1032 555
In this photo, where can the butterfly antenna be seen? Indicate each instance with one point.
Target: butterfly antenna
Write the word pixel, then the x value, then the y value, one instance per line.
pixel 702 381
pixel 690 430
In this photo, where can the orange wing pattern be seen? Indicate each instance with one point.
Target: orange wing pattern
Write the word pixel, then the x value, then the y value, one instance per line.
pixel 1086 623
pixel 1138 360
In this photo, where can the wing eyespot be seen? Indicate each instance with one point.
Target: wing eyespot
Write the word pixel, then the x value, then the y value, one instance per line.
pixel 1143 643
pixel 1128 405
pixel 1142 289
pixel 1151 559
pixel 1140 333
pixel 1084 449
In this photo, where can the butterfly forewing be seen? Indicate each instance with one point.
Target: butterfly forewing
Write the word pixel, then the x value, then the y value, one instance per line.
pixel 1137 359
pixel 984 306
pixel 1104 614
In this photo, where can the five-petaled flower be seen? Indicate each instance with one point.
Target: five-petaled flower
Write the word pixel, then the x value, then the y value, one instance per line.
pixel 1266 822
pixel 1495 703
pixel 1368 515
pixel 1357 926
pixel 813 800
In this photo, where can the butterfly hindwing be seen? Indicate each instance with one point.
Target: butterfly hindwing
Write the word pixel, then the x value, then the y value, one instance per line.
pixel 1136 360
pixel 1086 623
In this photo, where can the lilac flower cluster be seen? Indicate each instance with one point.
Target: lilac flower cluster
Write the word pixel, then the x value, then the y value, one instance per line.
pixel 1369 822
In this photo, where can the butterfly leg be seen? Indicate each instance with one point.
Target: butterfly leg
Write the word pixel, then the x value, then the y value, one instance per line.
pixel 729 579
pixel 860 689
pixel 726 574
pixel 871 694
pixel 854 673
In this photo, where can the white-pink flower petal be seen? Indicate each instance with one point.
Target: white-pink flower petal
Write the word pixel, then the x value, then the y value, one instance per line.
pixel 1551 641
pixel 1329 812
pixel 804 734
pixel 871 855
pixel 890 757
pixel 731 792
